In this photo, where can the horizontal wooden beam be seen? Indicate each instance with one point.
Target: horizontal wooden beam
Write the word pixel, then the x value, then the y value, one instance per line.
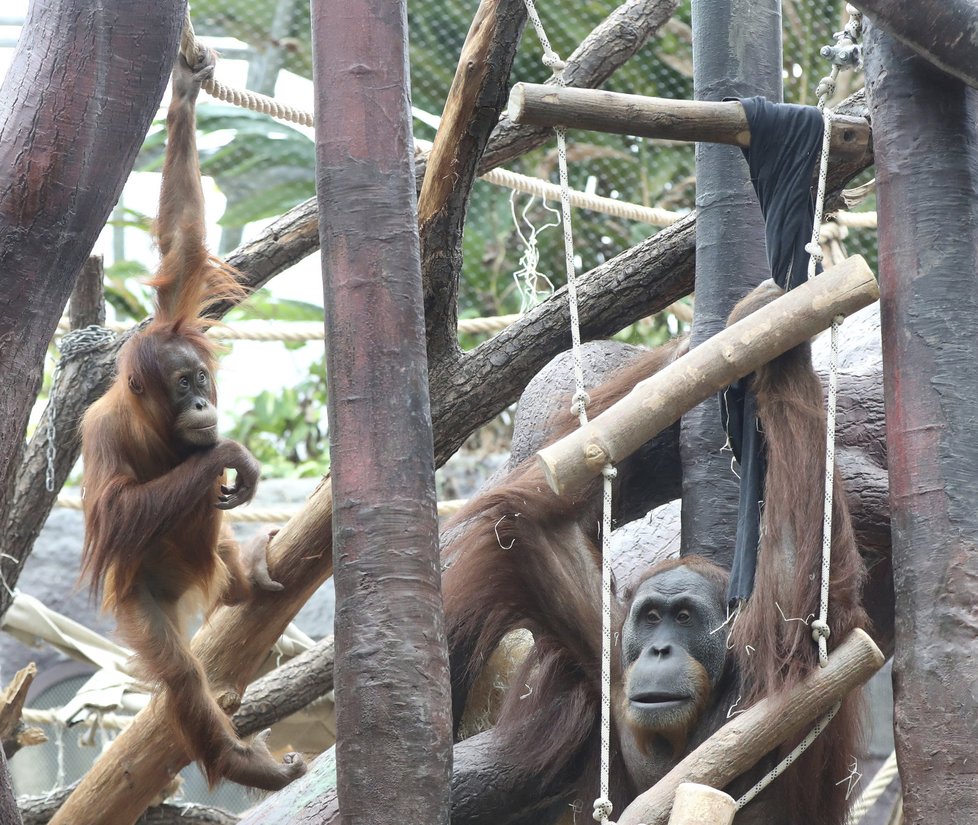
pixel 657 117
pixel 663 398
pixel 743 741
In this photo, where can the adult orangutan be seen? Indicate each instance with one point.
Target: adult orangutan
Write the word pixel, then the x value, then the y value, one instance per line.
pixel 154 466
pixel 519 556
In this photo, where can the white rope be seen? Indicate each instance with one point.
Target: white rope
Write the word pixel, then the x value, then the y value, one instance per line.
pixel 785 763
pixel 602 805
pixel 192 49
pixel 268 516
pixel 856 220
pixel 533 285
pixel 300 331
pixel 888 770
pixel 654 216
pixel 50 716
pixel 844 54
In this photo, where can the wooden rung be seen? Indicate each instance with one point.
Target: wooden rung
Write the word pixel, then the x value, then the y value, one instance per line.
pixel 746 738
pixel 655 117
pixel 697 804
pixel 663 398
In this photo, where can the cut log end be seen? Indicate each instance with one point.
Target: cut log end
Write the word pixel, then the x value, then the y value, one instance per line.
pixel 697 804
pixel 517 103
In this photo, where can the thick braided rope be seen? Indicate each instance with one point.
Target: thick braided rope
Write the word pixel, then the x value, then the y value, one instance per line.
pixel 602 805
pixel 785 763
pixel 888 770
pixel 300 331
pixel 653 216
pixel 191 49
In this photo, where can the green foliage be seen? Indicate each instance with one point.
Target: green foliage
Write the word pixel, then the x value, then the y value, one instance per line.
pixel 282 429
pixel 125 292
pixel 263 167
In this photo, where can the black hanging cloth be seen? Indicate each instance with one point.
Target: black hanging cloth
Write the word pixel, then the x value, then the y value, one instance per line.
pixel 785 143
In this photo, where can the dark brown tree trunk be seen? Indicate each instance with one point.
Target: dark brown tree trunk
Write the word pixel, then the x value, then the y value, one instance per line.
pixel 9 815
pixel 927 195
pixel 393 708
pixel 75 104
pixel 736 53
pixel 945 32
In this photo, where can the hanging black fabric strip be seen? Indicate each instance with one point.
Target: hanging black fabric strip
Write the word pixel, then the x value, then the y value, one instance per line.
pixel 785 142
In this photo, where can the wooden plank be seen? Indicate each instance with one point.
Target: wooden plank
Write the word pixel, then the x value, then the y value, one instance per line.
pixel 656 117
pixel 660 400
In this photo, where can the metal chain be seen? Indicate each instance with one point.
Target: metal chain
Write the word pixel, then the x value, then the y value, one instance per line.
pixel 75 343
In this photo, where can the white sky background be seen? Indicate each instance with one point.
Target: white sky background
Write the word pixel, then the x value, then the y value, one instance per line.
pixel 250 367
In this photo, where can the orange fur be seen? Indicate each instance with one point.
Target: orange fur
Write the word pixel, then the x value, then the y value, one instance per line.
pixel 519 556
pixel 154 538
pixel 791 409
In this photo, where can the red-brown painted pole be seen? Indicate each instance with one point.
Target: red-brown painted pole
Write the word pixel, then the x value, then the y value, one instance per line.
pixel 927 194
pixel 393 700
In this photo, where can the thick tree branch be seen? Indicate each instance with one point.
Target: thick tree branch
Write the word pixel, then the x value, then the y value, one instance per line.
pixel 601 53
pixel 38 810
pixel 287 689
pixel 643 280
pixel 77 100
pixel 481 782
pixel 471 111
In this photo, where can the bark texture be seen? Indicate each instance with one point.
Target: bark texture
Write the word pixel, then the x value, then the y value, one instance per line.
pixel 927 191
pixel 80 93
pixel 393 697
pixel 736 53
pixel 9 815
pixel 485 791
pixel 945 33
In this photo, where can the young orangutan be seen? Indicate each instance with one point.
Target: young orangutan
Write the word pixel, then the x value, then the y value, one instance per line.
pixel 153 470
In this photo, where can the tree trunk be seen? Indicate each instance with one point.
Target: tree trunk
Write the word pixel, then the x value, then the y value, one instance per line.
pixel 9 815
pixel 75 104
pixel 736 53
pixel 944 32
pixel 393 698
pixel 927 191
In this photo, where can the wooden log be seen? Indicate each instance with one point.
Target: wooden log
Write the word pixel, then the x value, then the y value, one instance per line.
pixel 392 686
pixel 697 804
pixel 660 400
pixel 739 744
pixel 656 117
pixel 87 303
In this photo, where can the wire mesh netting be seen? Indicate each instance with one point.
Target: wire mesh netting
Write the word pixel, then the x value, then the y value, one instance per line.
pixel 259 168
pixel 263 167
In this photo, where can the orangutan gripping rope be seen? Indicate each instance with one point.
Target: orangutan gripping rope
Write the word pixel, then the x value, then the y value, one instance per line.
pixel 153 471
